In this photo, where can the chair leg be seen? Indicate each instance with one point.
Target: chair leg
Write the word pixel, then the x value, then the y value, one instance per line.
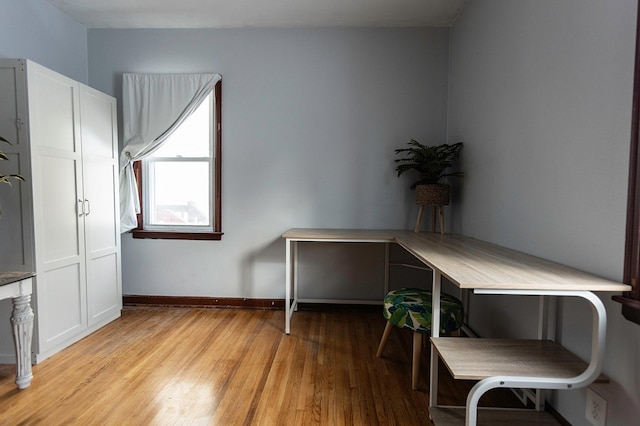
pixel 419 219
pixel 415 367
pixel 385 337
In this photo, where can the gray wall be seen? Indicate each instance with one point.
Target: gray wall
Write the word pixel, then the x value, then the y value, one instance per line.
pixel 541 94
pixel 36 30
pixel 310 121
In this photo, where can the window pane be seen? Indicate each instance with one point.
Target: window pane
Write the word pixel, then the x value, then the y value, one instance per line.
pixel 192 138
pixel 179 193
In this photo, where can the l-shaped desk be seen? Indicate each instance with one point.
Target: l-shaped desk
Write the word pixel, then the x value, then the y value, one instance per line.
pixel 483 268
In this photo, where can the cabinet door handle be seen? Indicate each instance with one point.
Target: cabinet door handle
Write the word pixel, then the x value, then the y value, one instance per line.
pixel 88 207
pixel 80 208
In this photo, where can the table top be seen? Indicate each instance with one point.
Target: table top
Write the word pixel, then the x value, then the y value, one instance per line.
pixel 313 234
pixel 473 264
pixel 11 277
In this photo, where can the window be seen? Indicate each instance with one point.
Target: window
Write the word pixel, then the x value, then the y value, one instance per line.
pixel 631 300
pixel 179 184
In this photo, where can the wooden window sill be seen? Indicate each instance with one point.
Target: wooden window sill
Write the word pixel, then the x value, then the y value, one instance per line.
pixel 160 235
pixel 630 308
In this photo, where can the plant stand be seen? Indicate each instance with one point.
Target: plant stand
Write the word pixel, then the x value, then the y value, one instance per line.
pixel 436 209
pixel 435 195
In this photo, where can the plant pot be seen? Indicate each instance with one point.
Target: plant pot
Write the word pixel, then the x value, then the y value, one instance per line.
pixel 436 194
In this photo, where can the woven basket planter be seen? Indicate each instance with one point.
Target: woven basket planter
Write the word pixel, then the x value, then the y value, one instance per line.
pixel 436 194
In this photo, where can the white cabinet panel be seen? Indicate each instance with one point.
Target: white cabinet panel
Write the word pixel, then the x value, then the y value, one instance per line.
pixel 57 209
pixel 52 109
pixel 97 116
pixel 60 305
pixel 102 231
pixel 104 290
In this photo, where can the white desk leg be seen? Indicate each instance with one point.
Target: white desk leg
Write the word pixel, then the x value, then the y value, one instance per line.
pixel 543 317
pixel 598 339
pixel 294 265
pixel 287 297
pixel 386 269
pixel 543 331
pixel 22 322
pixel 435 332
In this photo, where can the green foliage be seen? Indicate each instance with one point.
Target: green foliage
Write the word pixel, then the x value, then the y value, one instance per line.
pixel 431 163
pixel 3 156
pixel 7 178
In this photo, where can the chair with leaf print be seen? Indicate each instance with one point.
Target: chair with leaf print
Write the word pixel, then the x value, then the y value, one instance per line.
pixel 411 308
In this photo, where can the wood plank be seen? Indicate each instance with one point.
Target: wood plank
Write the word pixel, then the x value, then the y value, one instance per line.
pixel 476 359
pixel 456 416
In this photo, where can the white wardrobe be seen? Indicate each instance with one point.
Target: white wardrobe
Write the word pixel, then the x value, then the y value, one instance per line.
pixel 63 222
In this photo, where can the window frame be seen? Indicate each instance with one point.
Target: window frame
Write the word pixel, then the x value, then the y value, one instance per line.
pixel 631 299
pixel 217 233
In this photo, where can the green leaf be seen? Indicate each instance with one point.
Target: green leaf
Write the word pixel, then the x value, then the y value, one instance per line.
pixel 5 178
pixel 430 163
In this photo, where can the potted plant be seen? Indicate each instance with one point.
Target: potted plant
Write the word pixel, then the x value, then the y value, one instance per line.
pixel 7 178
pixel 432 165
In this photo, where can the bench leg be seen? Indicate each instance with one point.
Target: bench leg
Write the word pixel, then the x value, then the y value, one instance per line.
pixel 415 365
pixel 385 337
pixel 419 219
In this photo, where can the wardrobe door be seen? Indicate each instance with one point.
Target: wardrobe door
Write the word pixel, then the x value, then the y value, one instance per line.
pixel 57 203
pixel 101 203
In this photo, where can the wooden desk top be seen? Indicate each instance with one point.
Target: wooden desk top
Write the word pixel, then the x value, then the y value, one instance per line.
pixel 11 277
pixel 474 264
pixel 342 234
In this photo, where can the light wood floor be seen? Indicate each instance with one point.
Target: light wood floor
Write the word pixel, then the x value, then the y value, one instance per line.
pixel 166 366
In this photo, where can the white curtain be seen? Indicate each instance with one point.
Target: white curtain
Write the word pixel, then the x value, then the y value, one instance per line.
pixel 154 105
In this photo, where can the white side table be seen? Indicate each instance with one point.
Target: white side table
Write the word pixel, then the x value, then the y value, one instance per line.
pixel 19 286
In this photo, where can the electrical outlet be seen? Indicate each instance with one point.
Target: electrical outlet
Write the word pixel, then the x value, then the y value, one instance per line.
pixel 596 411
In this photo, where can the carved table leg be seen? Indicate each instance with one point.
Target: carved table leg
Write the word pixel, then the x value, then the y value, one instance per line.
pixel 22 322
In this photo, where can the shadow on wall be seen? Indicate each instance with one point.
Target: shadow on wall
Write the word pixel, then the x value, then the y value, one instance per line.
pixel 267 262
pixel 348 271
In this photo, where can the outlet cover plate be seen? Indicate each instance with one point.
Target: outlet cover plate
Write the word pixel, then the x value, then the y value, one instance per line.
pixel 596 412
